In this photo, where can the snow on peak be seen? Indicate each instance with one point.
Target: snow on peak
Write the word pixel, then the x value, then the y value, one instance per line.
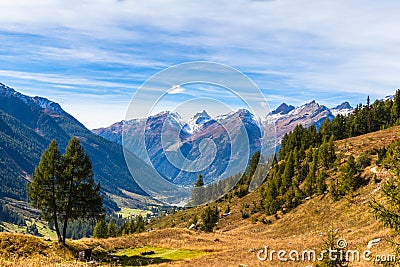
pixel 344 105
pixel 342 109
pixel 196 122
pixel 283 109
pixel 202 116
pixel 388 97
pixel 46 104
pixel 246 115
pixel 36 101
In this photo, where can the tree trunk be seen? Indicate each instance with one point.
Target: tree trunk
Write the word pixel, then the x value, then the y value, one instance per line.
pixel 53 191
pixel 60 240
pixel 67 212
pixel 64 233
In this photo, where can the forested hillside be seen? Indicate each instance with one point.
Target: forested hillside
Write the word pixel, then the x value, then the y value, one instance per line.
pixel 27 125
pixel 308 164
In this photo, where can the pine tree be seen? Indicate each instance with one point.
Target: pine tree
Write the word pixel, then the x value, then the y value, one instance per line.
pixel 298 194
pixel 321 182
pixel 198 195
pixel 81 194
pixel 336 256
pixel 199 182
pixel 388 210
pixel 326 153
pixel 334 190
pixel 396 108
pixel 287 174
pixel 100 229
pixel 111 229
pixel 45 190
pixel 209 217
pixel 323 154
pixel 140 224
pixel 269 193
pixel 350 177
pixel 63 187
pixel 310 182
pixel 130 227
pixel 331 151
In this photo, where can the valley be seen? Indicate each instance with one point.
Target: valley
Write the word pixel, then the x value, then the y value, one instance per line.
pixel 236 241
pixel 199 133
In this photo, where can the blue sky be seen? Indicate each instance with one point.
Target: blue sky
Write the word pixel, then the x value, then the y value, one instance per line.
pixel 91 56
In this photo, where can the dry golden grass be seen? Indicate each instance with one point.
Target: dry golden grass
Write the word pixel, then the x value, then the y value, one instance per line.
pixel 359 144
pixel 236 241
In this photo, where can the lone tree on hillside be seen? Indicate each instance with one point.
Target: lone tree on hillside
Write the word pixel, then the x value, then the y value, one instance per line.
pixel 199 182
pixel 209 217
pixel 199 195
pixel 63 188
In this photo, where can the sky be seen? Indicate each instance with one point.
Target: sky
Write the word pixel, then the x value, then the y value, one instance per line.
pixel 92 56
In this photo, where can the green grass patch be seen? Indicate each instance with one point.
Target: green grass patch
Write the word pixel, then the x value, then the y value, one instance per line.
pixel 133 256
pixel 126 212
pixel 13 228
pixel 43 229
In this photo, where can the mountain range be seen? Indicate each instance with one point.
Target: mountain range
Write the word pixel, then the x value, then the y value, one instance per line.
pixel 286 118
pixel 167 136
pixel 202 126
pixel 28 124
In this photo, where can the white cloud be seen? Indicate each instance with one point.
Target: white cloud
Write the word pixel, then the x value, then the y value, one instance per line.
pixel 60 80
pixel 263 104
pixel 176 89
pixel 313 46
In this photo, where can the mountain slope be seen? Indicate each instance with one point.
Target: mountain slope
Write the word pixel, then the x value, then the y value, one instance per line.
pixel 236 241
pixel 283 109
pixel 28 124
pixel 303 227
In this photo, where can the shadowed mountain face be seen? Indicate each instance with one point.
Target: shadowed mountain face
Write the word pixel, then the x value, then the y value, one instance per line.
pixel 283 109
pixel 28 124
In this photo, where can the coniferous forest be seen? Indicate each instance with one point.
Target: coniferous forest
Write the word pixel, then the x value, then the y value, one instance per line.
pixel 307 155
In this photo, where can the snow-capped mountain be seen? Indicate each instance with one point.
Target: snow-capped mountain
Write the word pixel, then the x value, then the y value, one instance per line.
pixel 197 122
pixel 283 109
pixel 343 109
pixel 308 114
pixel 36 101
pixel 167 134
pixel 27 126
pixel 388 97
